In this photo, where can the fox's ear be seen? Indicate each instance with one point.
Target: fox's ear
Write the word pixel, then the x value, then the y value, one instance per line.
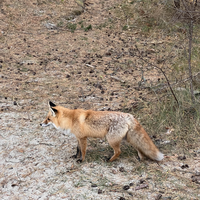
pixel 51 104
pixel 53 110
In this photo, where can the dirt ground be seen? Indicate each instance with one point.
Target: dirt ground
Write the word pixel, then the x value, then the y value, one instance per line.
pixel 43 57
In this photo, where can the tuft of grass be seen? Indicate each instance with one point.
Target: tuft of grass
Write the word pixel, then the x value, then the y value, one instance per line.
pixel 88 28
pixel 71 27
pixel 145 16
pixel 182 122
pixel 124 28
pixel 102 25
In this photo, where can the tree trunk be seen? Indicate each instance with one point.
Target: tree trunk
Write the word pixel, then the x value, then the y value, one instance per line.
pixel 189 59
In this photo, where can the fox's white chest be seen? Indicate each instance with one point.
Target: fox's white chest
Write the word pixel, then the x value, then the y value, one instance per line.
pixel 68 132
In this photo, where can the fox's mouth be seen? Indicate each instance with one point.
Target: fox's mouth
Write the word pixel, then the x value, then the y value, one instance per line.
pixel 42 124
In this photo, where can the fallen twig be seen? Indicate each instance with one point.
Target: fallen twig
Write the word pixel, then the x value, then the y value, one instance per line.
pixel 116 78
pixel 179 170
pixel 48 144
pixel 90 66
pixel 141 186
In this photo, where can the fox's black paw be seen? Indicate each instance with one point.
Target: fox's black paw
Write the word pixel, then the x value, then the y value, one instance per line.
pixel 79 161
pixel 140 159
pixel 107 159
pixel 74 156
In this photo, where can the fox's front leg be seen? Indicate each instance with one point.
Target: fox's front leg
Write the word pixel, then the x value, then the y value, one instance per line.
pixel 78 152
pixel 83 145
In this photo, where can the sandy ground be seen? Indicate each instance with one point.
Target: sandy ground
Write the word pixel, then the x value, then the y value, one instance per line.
pixel 41 60
pixel 36 164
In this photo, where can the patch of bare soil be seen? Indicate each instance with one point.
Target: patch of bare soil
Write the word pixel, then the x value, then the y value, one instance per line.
pixel 51 50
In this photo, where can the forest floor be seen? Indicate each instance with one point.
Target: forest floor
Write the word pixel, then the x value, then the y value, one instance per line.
pixel 51 50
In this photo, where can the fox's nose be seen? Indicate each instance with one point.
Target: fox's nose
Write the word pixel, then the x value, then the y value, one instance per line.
pixel 40 124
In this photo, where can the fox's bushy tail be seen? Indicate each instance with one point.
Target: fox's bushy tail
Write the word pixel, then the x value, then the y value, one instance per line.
pixel 140 140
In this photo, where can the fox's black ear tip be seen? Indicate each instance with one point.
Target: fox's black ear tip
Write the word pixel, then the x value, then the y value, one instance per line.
pixel 51 104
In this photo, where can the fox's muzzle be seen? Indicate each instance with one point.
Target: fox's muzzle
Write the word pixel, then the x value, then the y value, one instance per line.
pixel 42 124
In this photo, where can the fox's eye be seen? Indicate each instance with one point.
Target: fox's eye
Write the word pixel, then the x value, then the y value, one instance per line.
pixel 48 119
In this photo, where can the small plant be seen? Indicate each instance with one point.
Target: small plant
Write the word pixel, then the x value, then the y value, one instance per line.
pixel 88 28
pixel 146 28
pixel 59 24
pixel 125 28
pixel 81 22
pixel 71 27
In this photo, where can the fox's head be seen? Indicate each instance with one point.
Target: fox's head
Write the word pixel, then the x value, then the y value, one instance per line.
pixel 51 116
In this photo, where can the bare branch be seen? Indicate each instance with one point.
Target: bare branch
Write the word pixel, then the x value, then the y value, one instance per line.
pixel 163 72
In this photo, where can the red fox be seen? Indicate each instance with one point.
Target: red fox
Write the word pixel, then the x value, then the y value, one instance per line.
pixel 114 125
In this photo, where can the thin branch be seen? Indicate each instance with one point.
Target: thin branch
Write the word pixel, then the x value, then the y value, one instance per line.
pixel 168 83
pixel 176 83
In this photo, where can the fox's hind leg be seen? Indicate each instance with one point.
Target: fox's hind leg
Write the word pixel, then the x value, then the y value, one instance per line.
pixel 141 155
pixel 116 147
pixel 117 131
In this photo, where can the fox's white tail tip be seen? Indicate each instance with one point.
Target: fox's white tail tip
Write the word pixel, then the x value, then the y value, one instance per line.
pixel 160 156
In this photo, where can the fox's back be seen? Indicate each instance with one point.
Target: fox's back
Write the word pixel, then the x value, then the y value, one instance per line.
pixel 99 123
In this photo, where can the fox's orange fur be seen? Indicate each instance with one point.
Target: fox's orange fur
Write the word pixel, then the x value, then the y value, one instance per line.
pixel 114 125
